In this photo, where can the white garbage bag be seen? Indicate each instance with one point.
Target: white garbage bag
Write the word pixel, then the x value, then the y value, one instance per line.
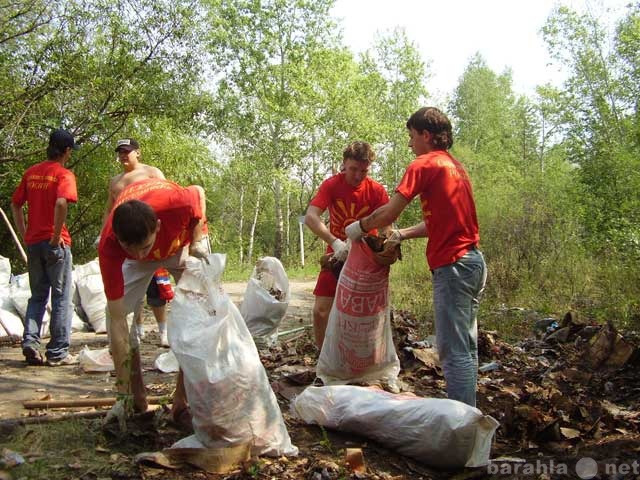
pixel 266 300
pixel 227 388
pixel 5 271
pixel 358 344
pixel 166 362
pixel 91 292
pixel 20 292
pixel 96 360
pixel 10 321
pixel 438 432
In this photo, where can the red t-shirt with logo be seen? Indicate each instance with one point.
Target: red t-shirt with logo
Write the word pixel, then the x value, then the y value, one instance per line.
pixel 346 203
pixel 448 209
pixel 42 184
pixel 178 209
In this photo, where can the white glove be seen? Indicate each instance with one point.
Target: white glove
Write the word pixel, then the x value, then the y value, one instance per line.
pixel 354 231
pixel 395 237
pixel 340 250
pixel 199 250
pixel 118 413
pixel 96 242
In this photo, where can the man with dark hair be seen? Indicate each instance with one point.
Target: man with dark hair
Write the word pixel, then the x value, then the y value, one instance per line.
pixel 155 223
pixel 128 150
pixel 450 223
pixel 47 188
pixel 349 196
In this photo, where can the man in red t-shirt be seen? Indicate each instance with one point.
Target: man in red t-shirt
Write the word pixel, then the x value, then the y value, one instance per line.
pixel 154 223
pixel 349 196
pixel 47 188
pixel 450 223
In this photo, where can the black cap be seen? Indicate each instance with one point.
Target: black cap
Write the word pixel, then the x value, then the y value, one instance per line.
pixel 62 139
pixel 127 144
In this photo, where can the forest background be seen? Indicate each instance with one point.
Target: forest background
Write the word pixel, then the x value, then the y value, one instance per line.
pixel 255 101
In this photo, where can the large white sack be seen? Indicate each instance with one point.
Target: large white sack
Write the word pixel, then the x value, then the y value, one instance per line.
pixel 5 271
pixel 438 432
pixel 91 292
pixel 358 344
pixel 260 308
pixel 10 321
pixel 20 294
pixel 227 388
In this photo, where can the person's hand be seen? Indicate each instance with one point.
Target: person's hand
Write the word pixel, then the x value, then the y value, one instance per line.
pixel 196 249
pixel 118 414
pixel 340 249
pixel 96 242
pixel 393 240
pixel 354 231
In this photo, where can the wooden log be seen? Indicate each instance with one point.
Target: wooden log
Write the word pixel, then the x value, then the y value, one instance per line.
pixel 86 402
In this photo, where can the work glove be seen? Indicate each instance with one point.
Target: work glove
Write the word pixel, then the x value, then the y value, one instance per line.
pixel 340 249
pixel 393 240
pixel 118 414
pixel 354 231
pixel 199 251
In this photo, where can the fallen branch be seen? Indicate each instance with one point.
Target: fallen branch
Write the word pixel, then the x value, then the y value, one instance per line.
pixel 14 235
pixel 11 424
pixel 87 402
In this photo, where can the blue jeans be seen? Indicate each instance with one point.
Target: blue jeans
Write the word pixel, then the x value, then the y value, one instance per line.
pixel 457 289
pixel 49 271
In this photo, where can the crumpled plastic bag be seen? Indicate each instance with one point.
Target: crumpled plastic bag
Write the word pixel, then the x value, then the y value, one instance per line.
pixel 96 360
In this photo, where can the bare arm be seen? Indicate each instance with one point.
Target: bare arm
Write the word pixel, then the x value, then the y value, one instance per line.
pixel 316 225
pixel 386 214
pixel 18 218
pixel 126 360
pixel 418 230
pixel 59 217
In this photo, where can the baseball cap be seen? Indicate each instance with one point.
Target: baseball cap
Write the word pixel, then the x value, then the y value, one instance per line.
pixel 127 144
pixel 62 139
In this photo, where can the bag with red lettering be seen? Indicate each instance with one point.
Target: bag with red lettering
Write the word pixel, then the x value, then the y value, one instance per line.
pixel 358 345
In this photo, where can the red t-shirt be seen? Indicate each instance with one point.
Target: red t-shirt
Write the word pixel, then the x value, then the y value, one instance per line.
pixel 346 203
pixel 448 209
pixel 42 184
pixel 178 210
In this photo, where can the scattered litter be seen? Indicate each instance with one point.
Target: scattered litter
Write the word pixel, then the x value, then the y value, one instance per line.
pixel 96 360
pixel 166 362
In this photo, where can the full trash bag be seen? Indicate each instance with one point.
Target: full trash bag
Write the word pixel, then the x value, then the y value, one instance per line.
pixel 358 344
pixel 438 432
pixel 266 300
pixel 227 388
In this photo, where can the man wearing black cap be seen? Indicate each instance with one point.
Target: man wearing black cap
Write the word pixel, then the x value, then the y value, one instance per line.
pixel 128 150
pixel 47 188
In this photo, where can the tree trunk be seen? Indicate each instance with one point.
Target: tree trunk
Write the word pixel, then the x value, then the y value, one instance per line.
pixel 288 224
pixel 240 228
pixel 253 225
pixel 277 200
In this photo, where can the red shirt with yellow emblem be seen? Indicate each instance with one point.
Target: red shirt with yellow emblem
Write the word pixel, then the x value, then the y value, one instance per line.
pixel 448 209
pixel 346 203
pixel 178 209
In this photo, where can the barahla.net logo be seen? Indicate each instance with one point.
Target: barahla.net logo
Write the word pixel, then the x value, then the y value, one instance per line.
pixel 585 468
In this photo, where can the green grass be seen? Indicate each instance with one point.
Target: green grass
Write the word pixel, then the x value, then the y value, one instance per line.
pixel 68 449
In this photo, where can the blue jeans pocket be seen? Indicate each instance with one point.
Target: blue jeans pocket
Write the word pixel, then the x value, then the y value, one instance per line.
pixel 54 255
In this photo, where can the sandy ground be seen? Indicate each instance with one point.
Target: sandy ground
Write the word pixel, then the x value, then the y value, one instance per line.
pixel 20 382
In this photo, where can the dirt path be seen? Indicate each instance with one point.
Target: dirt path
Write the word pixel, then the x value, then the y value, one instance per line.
pixel 19 382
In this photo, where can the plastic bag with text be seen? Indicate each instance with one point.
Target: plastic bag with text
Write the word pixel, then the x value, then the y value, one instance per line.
pixel 435 431
pixel 358 345
pixel 266 300
pixel 227 388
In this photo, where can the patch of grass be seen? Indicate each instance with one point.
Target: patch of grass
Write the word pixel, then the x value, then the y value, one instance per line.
pixel 68 449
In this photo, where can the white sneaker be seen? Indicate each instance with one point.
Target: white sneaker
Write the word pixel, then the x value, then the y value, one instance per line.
pixel 164 340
